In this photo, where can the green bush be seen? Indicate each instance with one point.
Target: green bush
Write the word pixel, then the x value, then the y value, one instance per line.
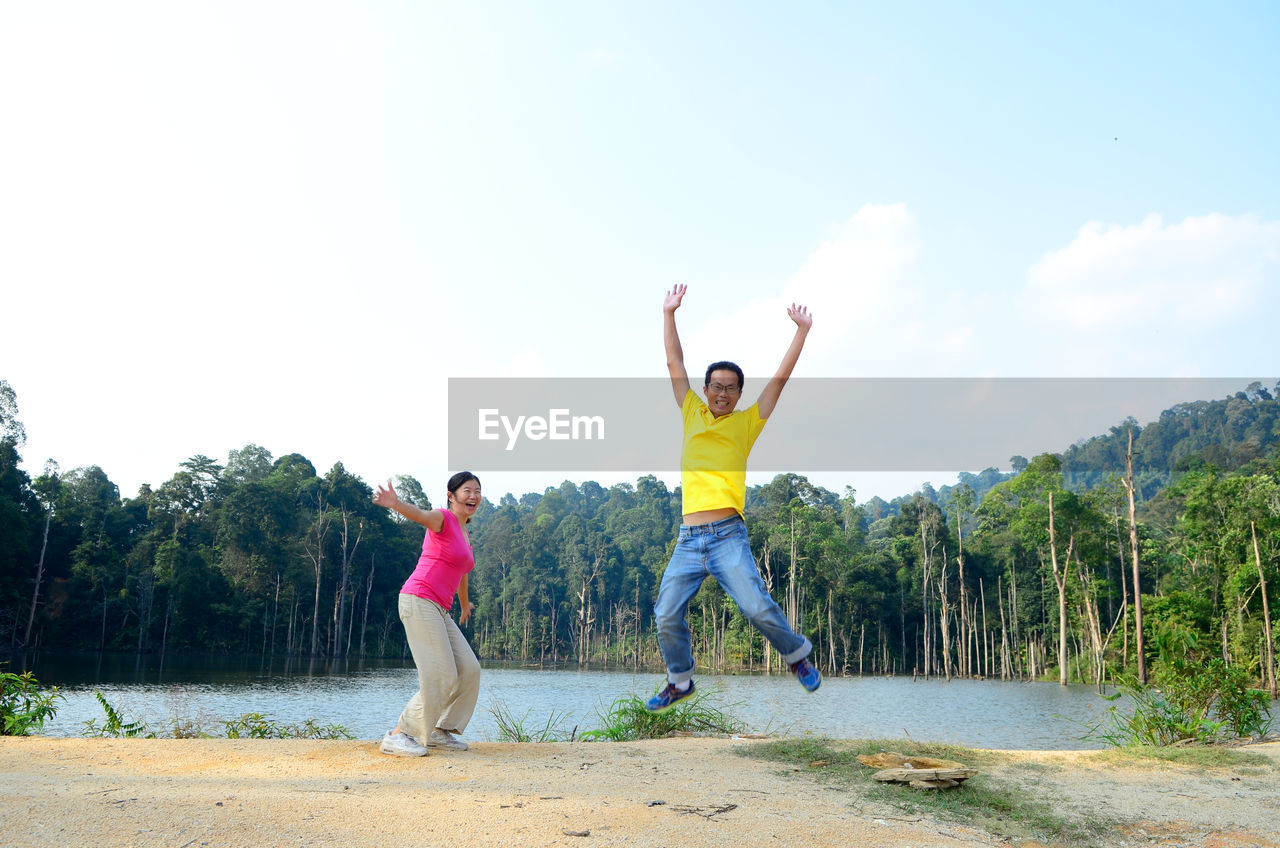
pixel 186 728
pixel 1189 701
pixel 259 726
pixel 1245 712
pixel 513 729
pixel 24 706
pixel 115 726
pixel 310 729
pixel 628 719
pixel 252 726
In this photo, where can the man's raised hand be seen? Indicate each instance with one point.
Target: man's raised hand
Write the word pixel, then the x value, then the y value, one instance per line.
pixel 800 314
pixel 672 302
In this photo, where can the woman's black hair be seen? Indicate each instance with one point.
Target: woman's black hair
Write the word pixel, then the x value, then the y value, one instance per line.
pixel 725 366
pixel 456 482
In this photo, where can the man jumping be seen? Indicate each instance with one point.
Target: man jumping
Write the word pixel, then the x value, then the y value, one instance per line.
pixel 713 536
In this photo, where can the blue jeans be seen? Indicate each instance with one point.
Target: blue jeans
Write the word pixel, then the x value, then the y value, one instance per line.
pixel 720 550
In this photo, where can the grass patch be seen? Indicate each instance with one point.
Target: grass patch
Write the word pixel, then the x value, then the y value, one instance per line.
pixel 246 726
pixel 628 719
pixel 513 728
pixel 1000 807
pixel 1197 756
pixel 259 726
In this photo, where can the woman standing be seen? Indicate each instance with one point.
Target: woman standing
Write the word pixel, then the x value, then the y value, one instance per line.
pixel 448 671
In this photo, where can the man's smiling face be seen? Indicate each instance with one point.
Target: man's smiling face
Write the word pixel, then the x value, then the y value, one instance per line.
pixel 722 391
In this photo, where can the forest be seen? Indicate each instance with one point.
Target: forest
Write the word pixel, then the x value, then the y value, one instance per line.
pixel 1141 545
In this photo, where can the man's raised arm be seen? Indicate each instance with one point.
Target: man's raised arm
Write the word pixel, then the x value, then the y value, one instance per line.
pixel 671 339
pixel 773 390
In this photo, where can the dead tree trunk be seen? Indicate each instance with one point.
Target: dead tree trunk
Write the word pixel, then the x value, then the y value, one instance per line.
pixel 586 614
pixel 944 617
pixel 984 665
pixel 1005 666
pixel 315 552
pixel 275 615
pixel 368 593
pixel 925 645
pixel 1124 595
pixel 964 601
pixel 1139 644
pixel 1266 615
pixel 344 582
pixel 766 567
pixel 1060 573
pixel 35 593
pixel 1092 617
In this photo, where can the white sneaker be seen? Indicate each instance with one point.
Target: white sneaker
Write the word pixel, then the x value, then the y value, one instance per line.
pixel 445 739
pixel 402 745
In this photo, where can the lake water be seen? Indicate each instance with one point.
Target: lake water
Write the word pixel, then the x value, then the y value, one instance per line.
pixel 366 697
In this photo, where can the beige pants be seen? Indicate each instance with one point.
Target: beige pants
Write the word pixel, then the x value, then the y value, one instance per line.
pixel 448 671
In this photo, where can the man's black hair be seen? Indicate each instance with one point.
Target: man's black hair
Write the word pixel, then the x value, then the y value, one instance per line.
pixel 725 366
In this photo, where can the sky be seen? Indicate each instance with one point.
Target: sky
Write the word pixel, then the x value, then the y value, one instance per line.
pixel 290 224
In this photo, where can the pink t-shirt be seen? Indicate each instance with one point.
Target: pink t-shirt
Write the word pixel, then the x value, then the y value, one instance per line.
pixel 446 558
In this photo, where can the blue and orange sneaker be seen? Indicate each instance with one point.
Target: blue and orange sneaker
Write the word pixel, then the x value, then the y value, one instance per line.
pixel 665 699
pixel 808 675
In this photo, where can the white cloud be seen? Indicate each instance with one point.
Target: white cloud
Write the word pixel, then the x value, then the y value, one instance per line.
pixel 858 284
pixel 861 271
pixel 1153 299
pixel 1202 272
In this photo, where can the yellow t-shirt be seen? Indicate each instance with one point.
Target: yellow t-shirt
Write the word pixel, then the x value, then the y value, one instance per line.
pixel 713 458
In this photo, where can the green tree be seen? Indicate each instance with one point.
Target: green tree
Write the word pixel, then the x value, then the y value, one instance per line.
pixel 18 509
pixel 250 464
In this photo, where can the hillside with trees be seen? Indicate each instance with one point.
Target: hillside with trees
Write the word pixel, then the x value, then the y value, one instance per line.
pixel 1038 574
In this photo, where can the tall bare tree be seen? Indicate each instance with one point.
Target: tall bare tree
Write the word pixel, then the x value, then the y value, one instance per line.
pixel 47 485
pixel 313 545
pixel 1139 643
pixel 1270 655
pixel 349 548
pixel 1061 571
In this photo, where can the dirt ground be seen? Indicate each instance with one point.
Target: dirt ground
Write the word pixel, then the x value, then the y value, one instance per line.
pixel 183 793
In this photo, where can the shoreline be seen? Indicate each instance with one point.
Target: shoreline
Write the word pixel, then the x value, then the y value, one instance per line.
pixel 183 793
pixel 981 714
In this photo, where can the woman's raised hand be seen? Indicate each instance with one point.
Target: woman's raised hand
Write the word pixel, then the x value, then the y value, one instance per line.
pixel 386 496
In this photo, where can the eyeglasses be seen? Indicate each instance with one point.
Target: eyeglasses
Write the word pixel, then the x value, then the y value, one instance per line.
pixel 717 389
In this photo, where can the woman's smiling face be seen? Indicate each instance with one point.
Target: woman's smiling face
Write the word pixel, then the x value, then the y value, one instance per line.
pixel 466 499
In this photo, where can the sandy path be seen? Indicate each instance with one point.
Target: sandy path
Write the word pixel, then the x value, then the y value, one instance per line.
pixel 217 792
